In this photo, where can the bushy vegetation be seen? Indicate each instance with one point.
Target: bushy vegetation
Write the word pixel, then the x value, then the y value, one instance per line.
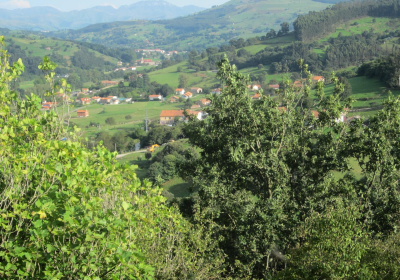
pixel 166 163
pixel 386 69
pixel 268 191
pixel 72 213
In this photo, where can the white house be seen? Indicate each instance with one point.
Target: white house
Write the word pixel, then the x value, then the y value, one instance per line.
pixel 256 87
pixel 180 91
pixel 155 97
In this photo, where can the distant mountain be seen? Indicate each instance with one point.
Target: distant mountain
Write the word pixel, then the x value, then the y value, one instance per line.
pixel 212 27
pixel 51 19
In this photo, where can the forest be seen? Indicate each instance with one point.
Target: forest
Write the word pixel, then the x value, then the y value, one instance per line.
pixel 386 69
pixel 315 24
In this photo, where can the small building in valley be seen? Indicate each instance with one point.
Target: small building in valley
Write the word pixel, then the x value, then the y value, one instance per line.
pixel 168 117
pixel 180 91
pixel 156 97
pixel 205 102
pixel 196 90
pixel 82 113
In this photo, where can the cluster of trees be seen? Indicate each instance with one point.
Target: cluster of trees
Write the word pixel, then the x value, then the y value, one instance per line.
pixel 340 52
pixel 386 69
pixel 160 134
pixel 166 163
pixel 120 141
pixel 138 85
pixel 315 24
pixel 85 59
pixel 268 190
pixel 126 55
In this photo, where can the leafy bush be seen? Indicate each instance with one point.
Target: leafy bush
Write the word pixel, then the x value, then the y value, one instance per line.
pixel 69 213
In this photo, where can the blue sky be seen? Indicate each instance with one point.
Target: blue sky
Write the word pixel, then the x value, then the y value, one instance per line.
pixel 68 5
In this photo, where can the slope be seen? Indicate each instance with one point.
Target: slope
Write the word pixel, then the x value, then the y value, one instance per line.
pixel 215 26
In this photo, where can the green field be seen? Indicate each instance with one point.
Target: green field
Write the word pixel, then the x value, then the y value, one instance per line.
pixel 367 92
pixel 35 45
pixel 381 25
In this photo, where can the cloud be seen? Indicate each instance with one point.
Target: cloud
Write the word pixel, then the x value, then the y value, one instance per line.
pixel 107 4
pixel 15 4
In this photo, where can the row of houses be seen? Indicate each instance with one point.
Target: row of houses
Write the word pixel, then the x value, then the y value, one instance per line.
pixel 112 100
pixel 130 68
pixel 193 90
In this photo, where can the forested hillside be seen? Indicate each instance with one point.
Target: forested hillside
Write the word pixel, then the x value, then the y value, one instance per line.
pixel 316 24
pixel 83 62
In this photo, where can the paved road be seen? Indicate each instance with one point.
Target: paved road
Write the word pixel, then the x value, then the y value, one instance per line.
pixel 122 155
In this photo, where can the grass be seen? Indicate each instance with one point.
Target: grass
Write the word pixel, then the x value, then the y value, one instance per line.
pixel 367 92
pixel 139 160
pixel 381 25
pixel 33 45
pixel 178 187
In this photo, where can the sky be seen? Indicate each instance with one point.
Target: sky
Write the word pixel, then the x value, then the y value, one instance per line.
pixel 69 5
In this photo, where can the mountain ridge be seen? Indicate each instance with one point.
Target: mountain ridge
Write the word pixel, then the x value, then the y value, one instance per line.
pixel 46 18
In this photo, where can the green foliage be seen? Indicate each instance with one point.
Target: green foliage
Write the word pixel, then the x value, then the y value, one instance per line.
pixel 70 213
pixel 161 134
pixel 110 121
pixel 148 156
pixel 267 189
pixel 167 162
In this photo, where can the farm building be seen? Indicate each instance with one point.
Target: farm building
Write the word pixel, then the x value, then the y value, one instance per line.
pixel 82 113
pixel 155 97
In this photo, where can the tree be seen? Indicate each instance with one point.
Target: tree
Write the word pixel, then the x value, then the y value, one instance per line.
pixel 128 117
pixel 148 155
pixel 284 28
pixel 110 121
pixel 74 81
pixel 347 90
pixel 121 84
pixel 260 66
pixel 266 169
pixel 183 81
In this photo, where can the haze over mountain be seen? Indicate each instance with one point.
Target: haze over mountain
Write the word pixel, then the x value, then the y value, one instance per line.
pixel 50 19
pixel 212 27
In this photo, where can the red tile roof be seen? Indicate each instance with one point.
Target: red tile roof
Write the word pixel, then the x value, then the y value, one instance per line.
pixel 318 78
pixel 171 113
pixel 315 114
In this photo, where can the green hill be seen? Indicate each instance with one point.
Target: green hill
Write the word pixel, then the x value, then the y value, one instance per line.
pixel 218 25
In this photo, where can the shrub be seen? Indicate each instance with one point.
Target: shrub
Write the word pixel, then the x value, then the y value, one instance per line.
pixel 69 213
